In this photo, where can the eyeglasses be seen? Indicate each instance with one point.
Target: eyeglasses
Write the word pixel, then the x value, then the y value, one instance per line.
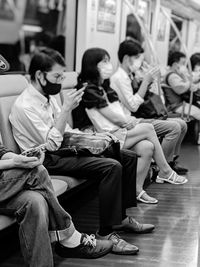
pixel 55 77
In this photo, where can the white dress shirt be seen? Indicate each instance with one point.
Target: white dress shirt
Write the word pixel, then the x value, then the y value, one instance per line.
pixel 121 83
pixel 33 119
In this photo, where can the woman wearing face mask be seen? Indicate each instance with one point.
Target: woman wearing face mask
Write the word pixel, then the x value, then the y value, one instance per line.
pixel 105 113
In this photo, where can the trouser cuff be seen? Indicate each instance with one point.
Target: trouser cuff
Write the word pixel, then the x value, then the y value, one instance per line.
pixel 60 235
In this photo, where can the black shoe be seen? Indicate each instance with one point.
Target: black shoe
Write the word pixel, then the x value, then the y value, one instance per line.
pixel 177 168
pixel 89 248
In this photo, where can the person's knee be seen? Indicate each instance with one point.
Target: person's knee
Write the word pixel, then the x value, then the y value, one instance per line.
pixel 38 207
pixel 174 130
pixel 147 127
pixel 145 148
pixel 111 164
pixel 183 126
pixel 116 166
pixel 42 173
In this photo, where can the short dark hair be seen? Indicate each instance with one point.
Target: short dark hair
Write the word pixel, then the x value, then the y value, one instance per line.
pixel 195 60
pixel 175 57
pixel 89 71
pixel 44 59
pixel 130 48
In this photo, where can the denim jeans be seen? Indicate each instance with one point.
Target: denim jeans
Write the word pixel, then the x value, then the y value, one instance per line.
pixel 29 196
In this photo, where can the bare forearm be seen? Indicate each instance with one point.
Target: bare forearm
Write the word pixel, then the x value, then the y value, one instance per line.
pixel 63 120
pixel 143 88
pixel 117 119
pixel 7 164
pixel 8 155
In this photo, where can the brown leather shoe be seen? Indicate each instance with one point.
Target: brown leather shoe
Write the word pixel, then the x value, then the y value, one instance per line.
pixel 120 246
pixel 130 225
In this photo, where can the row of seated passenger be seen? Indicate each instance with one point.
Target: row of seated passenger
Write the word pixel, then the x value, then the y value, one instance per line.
pixel 129 130
pixel 9 141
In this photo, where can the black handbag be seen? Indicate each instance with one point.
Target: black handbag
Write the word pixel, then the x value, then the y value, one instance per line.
pixel 152 107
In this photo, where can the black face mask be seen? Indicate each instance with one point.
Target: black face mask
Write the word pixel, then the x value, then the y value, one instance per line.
pixel 51 88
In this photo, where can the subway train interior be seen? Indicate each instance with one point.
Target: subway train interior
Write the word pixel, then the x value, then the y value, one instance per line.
pixel 100 133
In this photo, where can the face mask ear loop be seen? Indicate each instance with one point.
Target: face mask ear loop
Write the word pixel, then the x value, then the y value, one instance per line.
pixel 42 86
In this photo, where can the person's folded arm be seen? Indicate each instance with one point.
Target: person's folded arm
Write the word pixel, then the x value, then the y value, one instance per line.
pixel 18 161
pixel 125 92
pixel 114 117
pixel 179 85
pixel 6 164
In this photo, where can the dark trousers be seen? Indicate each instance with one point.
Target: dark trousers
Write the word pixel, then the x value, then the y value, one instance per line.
pixel 117 188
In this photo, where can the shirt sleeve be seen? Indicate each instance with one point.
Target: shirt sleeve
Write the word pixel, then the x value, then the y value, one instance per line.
pixel 178 84
pixel 29 126
pixel 124 89
pixel 3 150
pixel 94 97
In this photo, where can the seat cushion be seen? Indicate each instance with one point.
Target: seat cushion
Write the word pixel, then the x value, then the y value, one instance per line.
pixel 71 181
pixel 6 221
pixel 59 186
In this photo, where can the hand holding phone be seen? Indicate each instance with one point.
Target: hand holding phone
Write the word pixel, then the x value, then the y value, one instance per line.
pixel 34 152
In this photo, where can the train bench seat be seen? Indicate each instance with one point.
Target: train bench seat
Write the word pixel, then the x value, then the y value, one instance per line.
pixel 11 85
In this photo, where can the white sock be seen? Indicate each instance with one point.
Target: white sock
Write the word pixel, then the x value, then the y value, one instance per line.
pixel 73 241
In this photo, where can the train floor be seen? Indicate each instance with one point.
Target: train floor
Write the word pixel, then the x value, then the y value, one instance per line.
pixel 175 241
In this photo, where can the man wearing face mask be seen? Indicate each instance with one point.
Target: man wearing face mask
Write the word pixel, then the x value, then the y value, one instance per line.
pixel 132 87
pixel 195 64
pixel 180 82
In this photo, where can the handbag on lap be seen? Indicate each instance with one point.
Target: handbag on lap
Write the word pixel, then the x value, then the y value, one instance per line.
pixel 89 144
pixel 152 107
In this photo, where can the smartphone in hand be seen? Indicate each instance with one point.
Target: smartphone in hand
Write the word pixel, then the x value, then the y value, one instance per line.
pixel 83 87
pixel 34 152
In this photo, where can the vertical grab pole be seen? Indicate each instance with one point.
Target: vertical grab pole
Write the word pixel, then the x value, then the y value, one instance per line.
pixel 155 24
pixel 186 53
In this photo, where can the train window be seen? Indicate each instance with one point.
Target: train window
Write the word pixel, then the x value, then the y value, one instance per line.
pixel 174 42
pixel 133 29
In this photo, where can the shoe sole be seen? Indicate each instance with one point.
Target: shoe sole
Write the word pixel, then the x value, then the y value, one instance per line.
pixel 171 182
pixel 140 232
pixel 147 202
pixel 94 256
pixel 126 253
pixel 182 173
pixel 135 232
